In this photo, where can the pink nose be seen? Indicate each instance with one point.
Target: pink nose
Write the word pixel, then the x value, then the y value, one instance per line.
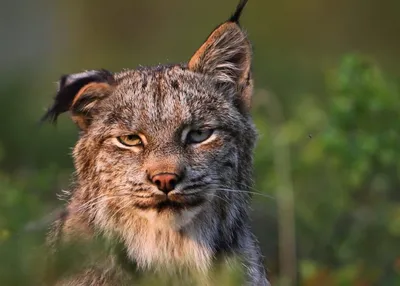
pixel 165 182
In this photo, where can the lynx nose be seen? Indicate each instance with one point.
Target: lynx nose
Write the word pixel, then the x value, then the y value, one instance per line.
pixel 165 182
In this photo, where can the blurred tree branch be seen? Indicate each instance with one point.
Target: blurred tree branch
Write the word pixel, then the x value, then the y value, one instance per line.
pixel 284 194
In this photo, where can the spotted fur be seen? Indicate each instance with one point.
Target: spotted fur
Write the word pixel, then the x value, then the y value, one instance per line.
pixel 206 216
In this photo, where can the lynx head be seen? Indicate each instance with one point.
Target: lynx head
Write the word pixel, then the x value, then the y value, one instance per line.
pixel 167 141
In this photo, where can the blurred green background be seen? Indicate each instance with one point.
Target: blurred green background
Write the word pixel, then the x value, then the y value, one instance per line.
pixel 326 105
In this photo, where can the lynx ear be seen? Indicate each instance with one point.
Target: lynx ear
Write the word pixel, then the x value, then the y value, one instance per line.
pixel 79 93
pixel 226 55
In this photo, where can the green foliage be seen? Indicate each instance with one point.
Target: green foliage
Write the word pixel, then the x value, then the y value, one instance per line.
pixel 345 164
pixel 345 170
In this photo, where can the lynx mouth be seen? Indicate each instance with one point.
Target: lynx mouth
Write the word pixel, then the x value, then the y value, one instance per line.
pixel 172 202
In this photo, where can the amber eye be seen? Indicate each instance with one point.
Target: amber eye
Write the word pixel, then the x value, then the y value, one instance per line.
pixel 130 140
pixel 198 136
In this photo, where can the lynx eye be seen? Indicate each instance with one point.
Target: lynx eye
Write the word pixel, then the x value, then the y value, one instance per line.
pixel 130 140
pixel 198 136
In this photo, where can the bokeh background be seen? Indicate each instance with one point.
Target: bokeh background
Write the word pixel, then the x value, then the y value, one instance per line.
pixel 326 104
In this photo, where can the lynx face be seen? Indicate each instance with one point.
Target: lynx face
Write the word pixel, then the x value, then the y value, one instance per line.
pixel 167 140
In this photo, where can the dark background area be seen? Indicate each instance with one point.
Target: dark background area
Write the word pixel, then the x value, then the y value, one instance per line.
pixel 326 105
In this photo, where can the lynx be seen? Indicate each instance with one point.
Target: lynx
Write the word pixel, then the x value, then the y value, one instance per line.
pixel 163 164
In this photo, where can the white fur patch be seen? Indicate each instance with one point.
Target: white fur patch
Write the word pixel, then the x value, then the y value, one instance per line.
pixel 156 241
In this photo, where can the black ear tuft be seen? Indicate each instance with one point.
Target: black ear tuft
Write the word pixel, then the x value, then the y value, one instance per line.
pixel 235 17
pixel 69 87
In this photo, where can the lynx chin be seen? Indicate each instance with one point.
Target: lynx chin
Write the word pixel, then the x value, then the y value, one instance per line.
pixel 163 167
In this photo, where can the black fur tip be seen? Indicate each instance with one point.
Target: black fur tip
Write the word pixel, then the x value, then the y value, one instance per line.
pixel 50 116
pixel 69 86
pixel 235 17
